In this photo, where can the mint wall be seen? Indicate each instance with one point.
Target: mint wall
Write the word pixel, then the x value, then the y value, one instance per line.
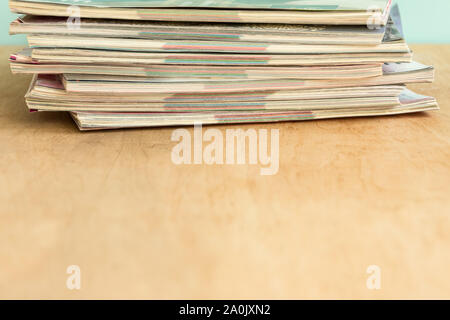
pixel 5 18
pixel 424 21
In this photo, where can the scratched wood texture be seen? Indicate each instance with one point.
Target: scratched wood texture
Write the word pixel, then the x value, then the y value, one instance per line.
pixel 349 193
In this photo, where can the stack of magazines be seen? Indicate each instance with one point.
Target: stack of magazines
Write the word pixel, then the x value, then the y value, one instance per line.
pixel 142 63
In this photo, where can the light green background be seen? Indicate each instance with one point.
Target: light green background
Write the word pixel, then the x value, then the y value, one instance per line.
pixel 425 21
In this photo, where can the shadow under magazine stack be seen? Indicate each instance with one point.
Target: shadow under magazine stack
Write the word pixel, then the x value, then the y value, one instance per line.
pixel 162 63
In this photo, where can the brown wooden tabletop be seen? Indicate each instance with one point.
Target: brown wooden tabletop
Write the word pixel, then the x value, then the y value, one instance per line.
pixel 350 193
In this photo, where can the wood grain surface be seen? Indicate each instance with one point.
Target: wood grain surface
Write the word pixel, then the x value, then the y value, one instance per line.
pixel 349 193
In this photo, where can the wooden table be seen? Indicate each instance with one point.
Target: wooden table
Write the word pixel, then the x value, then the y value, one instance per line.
pixel 350 193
